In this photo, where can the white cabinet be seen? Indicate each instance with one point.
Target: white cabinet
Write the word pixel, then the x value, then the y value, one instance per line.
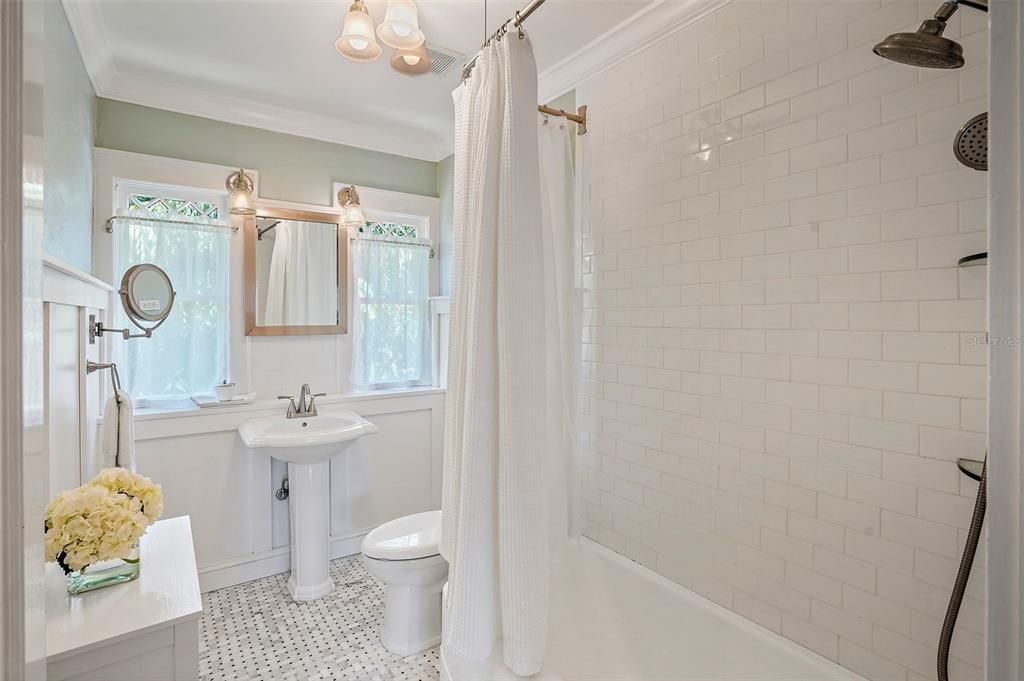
pixel 145 630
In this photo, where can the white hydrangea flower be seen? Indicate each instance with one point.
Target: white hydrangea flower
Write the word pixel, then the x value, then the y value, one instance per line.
pixel 102 519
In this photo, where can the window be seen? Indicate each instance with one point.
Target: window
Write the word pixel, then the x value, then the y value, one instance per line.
pixel 179 231
pixel 391 266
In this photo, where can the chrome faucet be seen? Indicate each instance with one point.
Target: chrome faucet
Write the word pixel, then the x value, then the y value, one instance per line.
pixel 306 405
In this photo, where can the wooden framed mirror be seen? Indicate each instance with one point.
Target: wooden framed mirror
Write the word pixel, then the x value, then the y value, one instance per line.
pixel 296 273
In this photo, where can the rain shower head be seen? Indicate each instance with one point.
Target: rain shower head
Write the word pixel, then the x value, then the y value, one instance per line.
pixel 926 47
pixel 922 49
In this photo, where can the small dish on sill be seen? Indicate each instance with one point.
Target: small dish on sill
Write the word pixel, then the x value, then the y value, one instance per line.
pixel 211 401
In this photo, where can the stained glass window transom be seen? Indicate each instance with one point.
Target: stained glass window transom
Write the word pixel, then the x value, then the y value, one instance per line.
pixel 388 229
pixel 168 207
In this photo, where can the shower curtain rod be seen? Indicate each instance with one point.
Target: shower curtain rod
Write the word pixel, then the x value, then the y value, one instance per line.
pixel 580 117
pixel 517 20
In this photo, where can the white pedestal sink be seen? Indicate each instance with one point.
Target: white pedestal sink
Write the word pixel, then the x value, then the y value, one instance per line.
pixel 307 443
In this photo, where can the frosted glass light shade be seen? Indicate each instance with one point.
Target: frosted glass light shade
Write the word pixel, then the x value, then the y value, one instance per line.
pixel 352 216
pixel 240 187
pixel 357 41
pixel 401 26
pixel 351 212
pixel 412 62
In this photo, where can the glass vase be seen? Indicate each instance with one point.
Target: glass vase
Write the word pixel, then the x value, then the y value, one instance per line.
pixel 106 573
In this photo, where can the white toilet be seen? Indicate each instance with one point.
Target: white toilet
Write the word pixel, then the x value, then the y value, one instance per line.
pixel 404 555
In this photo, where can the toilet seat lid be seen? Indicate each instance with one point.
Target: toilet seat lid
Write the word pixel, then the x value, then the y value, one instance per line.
pixel 406 538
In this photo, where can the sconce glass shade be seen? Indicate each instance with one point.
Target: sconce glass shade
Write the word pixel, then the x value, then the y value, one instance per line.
pixel 412 62
pixel 351 212
pixel 353 216
pixel 240 187
pixel 357 41
pixel 401 26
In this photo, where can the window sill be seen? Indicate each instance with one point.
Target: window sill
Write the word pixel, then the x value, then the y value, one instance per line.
pixel 189 409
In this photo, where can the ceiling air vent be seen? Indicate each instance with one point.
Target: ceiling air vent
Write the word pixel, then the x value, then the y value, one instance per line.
pixel 444 60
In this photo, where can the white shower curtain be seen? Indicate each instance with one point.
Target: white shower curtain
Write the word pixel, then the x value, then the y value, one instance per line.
pixel 563 324
pixel 507 441
pixel 302 287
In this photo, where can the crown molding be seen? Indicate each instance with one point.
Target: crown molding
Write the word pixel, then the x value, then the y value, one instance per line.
pixel 108 82
pixel 656 21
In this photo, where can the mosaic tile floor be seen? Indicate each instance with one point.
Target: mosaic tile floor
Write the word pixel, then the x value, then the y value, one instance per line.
pixel 255 631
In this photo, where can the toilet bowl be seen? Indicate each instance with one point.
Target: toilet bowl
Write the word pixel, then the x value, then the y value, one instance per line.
pixel 404 555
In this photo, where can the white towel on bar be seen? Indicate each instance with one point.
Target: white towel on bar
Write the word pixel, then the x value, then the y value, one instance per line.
pixel 118 441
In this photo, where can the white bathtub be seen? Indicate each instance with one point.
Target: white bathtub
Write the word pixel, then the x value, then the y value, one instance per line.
pixel 614 619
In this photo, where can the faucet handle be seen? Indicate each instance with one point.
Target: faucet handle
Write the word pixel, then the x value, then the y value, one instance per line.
pixel 311 407
pixel 292 409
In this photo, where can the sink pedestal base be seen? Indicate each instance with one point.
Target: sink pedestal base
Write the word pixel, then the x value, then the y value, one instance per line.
pixel 309 499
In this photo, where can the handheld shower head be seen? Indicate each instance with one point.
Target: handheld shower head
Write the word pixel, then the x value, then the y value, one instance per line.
pixel 926 47
pixel 971 143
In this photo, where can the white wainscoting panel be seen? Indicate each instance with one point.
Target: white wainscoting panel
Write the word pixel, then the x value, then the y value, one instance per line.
pixel 440 319
pixel 240 528
pixel 63 386
pixel 72 400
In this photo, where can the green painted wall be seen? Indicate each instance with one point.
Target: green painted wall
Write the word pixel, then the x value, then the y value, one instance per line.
pixel 446 190
pixel 291 168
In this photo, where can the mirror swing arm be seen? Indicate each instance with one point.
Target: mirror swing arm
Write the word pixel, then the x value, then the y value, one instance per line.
pixel 96 330
pixel 134 308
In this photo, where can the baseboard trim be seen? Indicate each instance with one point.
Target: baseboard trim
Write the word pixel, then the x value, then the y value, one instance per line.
pixel 266 563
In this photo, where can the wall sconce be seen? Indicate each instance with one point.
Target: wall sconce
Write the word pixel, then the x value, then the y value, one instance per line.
pixel 351 212
pixel 414 62
pixel 240 187
pixel 357 41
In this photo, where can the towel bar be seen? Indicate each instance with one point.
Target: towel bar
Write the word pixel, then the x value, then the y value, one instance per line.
pixel 115 378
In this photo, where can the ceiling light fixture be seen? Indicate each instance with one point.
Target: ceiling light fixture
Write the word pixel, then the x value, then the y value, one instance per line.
pixel 401 27
pixel 414 62
pixel 357 41
pixel 240 187
pixel 351 212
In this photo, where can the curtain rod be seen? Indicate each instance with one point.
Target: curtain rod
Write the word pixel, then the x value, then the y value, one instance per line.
pixel 141 218
pixel 580 117
pixel 383 240
pixel 516 21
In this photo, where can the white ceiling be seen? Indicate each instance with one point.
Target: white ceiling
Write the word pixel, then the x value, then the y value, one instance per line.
pixel 272 63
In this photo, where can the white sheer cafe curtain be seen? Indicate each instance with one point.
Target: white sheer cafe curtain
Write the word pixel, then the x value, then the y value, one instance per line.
pixel 302 287
pixel 188 354
pixel 391 316
pixel 510 406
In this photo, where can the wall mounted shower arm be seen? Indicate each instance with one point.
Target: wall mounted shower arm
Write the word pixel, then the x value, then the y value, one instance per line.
pixel 976 4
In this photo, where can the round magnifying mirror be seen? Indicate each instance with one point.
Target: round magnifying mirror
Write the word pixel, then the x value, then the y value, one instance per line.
pixel 147 295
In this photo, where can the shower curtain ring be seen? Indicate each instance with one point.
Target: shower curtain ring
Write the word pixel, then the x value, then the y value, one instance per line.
pixel 519 24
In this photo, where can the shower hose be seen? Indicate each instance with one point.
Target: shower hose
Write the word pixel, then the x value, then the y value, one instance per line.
pixel 962 575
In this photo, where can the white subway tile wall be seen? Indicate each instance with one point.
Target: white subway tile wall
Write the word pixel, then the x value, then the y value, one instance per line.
pixel 782 359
